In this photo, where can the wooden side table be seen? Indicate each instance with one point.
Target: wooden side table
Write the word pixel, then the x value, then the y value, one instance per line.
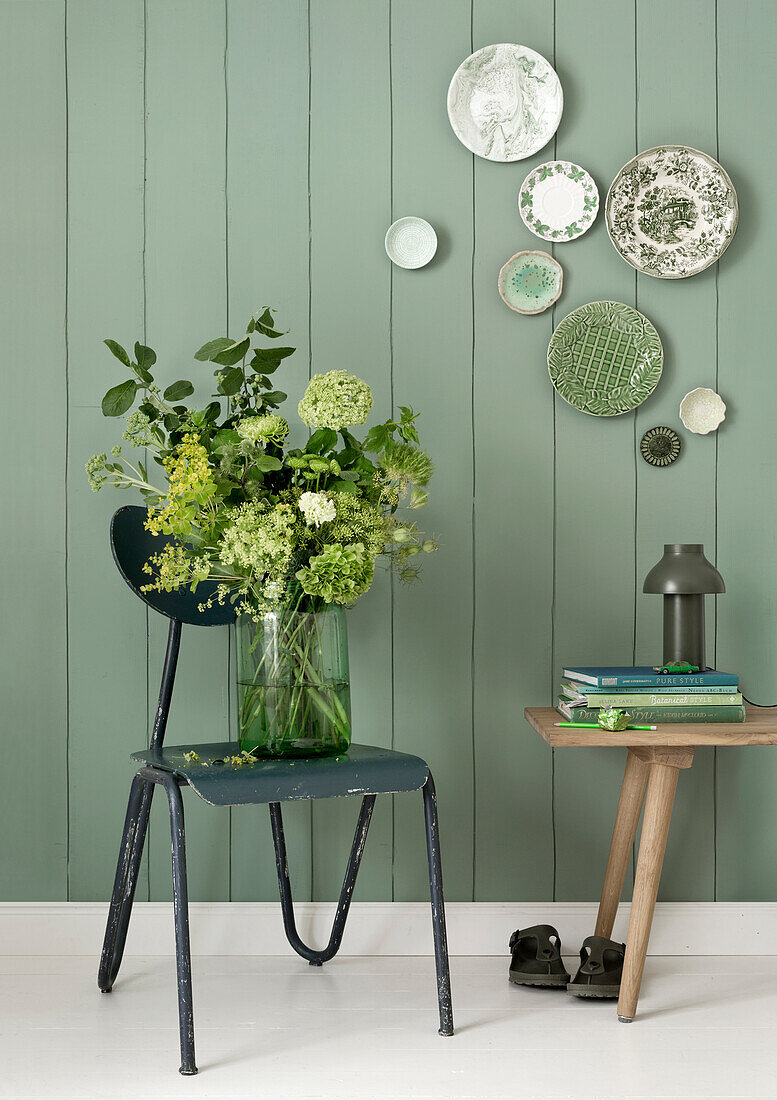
pixel 653 764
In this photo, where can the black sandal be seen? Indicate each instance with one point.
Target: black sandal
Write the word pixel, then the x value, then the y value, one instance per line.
pixel 537 957
pixel 601 967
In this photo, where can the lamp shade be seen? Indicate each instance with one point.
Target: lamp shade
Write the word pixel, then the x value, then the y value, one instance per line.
pixel 683 570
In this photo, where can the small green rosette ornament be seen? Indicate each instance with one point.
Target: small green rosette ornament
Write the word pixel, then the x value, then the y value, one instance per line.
pixel 610 718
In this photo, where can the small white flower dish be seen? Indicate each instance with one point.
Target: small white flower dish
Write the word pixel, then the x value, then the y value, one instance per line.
pixel 411 242
pixel 702 410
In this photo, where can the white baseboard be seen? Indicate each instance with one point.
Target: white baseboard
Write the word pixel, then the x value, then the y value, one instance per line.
pixel 379 928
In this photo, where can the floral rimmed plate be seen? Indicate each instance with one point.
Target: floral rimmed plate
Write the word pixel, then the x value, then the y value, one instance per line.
pixel 671 211
pixel 558 201
pixel 411 242
pixel 605 358
pixel 530 282
pixel 505 102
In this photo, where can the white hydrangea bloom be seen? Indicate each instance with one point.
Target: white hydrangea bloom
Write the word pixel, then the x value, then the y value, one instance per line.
pixel 316 508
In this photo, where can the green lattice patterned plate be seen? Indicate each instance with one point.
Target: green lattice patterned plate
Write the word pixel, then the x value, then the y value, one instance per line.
pixel 605 358
pixel 671 211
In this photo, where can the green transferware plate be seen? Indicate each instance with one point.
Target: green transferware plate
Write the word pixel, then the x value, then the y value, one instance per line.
pixel 671 211
pixel 530 282
pixel 558 201
pixel 605 358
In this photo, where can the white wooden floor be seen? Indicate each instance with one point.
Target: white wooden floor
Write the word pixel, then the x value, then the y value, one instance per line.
pixel 366 1028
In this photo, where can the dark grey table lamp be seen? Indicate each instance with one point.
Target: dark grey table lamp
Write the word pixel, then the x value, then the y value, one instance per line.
pixel 683 577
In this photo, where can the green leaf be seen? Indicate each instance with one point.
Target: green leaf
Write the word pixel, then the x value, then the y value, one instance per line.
pixel 225 437
pixel 118 351
pixel 213 347
pixel 343 487
pixel 146 357
pixel 274 397
pixel 178 390
pixel 231 381
pixel 377 438
pixel 266 326
pixel 264 366
pixel 212 411
pixel 143 374
pixel 171 422
pixel 322 440
pixel 149 410
pixel 270 354
pixel 143 471
pixel 232 354
pixel 120 398
pixel 266 463
pixel 350 475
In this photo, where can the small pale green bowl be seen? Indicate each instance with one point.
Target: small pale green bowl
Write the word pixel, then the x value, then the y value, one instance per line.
pixel 530 282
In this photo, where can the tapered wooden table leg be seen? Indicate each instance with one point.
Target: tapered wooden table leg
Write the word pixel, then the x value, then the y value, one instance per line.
pixel 629 808
pixel 659 801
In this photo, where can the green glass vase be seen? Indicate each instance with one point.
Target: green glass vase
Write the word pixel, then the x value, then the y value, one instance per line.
pixel 293 682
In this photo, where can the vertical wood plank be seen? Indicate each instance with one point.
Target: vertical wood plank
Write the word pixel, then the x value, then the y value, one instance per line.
pixel 350 175
pixel 594 593
pixel 107 647
pixel 676 105
pixel 267 190
pixel 747 463
pixel 431 327
pixel 186 305
pixel 513 430
pixel 33 672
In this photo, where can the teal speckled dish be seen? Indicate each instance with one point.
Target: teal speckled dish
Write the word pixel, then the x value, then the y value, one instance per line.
pixel 530 282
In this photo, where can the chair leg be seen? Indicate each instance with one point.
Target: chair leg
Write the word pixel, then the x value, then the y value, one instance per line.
pixel 316 958
pixel 181 911
pixel 127 867
pixel 438 908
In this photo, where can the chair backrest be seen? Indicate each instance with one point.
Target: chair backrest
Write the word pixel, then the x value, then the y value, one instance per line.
pixel 133 545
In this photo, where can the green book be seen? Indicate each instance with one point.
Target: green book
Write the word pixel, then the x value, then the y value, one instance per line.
pixel 646 715
pixel 654 699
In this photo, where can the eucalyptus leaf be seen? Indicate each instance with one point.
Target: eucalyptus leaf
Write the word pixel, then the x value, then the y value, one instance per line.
pixel 232 354
pixel 178 390
pixel 120 398
pixel 146 357
pixel 213 347
pixel 118 351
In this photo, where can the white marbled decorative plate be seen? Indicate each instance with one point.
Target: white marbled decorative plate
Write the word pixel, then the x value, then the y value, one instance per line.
pixel 411 242
pixel 671 211
pixel 505 102
pixel 558 201
pixel 702 410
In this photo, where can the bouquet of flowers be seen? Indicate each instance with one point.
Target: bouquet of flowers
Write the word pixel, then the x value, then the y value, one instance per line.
pixel 284 533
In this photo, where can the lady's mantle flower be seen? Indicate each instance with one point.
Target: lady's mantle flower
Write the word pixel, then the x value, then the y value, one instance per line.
pixel 263 429
pixel 191 485
pixel 95 471
pixel 335 400
pixel 339 574
pixel 317 509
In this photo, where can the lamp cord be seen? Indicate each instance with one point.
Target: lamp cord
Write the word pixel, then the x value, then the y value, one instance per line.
pixel 752 704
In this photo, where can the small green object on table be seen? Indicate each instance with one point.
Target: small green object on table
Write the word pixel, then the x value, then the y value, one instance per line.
pixel 677 668
pixel 610 718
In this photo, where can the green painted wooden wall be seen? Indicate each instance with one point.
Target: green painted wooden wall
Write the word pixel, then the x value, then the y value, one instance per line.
pixel 170 165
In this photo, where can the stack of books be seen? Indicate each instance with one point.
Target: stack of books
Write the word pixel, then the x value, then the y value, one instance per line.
pixel 651 696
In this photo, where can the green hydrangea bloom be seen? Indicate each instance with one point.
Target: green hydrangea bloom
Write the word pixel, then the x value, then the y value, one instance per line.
pixel 335 400
pixel 270 428
pixel 339 574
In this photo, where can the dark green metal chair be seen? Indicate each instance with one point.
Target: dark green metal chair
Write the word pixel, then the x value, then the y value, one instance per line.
pixel 362 771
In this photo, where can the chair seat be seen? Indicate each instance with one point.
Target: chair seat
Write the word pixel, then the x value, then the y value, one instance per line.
pixel 362 770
